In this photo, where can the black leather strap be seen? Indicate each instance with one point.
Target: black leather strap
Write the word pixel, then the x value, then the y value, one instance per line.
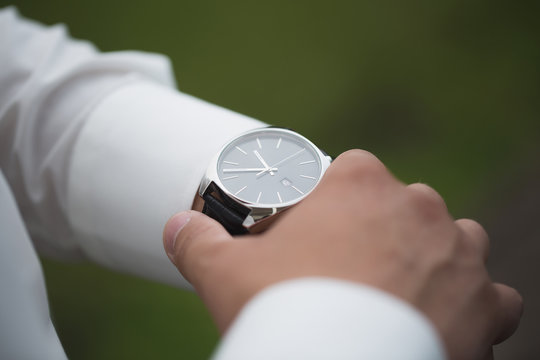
pixel 226 211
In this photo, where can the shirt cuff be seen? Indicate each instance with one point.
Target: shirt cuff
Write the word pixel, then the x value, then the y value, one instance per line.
pixel 139 159
pixel 318 318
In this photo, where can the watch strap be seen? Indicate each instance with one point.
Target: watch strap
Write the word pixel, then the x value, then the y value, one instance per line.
pixel 224 210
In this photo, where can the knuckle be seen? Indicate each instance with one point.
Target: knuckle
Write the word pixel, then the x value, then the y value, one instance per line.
pixel 426 200
pixel 509 309
pixel 514 298
pixel 358 164
pixel 518 298
pixel 355 155
pixel 426 194
pixel 473 228
pixel 475 236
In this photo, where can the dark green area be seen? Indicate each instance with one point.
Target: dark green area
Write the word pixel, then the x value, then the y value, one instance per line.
pixel 444 92
pixel 100 314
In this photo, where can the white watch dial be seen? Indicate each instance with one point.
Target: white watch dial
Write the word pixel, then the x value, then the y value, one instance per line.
pixel 269 167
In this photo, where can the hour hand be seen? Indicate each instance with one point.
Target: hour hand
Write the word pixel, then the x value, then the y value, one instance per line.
pixel 267 168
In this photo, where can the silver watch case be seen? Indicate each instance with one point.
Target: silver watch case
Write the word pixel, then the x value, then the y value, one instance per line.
pixel 259 217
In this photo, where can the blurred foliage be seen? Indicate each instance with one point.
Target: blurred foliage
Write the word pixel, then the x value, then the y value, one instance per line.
pixel 444 92
pixel 100 314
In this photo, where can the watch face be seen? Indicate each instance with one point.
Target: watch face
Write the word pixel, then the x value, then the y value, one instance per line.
pixel 269 167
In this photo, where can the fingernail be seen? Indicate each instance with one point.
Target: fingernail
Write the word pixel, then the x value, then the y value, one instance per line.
pixel 172 229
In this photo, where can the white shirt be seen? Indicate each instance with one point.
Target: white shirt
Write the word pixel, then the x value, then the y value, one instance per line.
pixel 97 151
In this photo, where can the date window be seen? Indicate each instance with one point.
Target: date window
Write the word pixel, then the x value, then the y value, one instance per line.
pixel 286 182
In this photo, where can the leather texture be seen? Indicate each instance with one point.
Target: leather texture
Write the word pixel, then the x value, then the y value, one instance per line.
pixel 225 215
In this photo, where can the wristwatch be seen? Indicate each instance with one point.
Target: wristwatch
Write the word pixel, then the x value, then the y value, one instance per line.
pixel 258 175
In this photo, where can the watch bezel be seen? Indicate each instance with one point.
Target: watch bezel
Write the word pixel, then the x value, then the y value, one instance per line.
pixel 258 212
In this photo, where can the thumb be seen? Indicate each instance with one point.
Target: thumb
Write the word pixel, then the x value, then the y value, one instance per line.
pixel 190 238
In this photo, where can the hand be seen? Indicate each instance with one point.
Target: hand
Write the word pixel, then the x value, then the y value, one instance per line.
pixel 362 225
pixel 247 170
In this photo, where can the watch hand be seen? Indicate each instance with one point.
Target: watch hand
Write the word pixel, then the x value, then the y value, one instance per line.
pixel 263 162
pixel 282 161
pixel 248 170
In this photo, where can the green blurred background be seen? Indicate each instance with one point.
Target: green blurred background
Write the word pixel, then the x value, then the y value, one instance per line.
pixel 444 92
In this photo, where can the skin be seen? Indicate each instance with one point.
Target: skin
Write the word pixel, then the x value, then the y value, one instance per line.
pixel 363 225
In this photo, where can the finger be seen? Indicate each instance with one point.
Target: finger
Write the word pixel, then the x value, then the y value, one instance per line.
pixel 511 309
pixel 476 234
pixel 190 239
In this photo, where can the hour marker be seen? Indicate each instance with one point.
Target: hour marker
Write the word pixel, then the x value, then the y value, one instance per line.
pixel 242 151
pixel 258 197
pixel 230 177
pixel 297 189
pixel 278 143
pixel 259 143
pixel 308 177
pixel 239 191
pixel 307 162
pixel 279 197
pixel 230 162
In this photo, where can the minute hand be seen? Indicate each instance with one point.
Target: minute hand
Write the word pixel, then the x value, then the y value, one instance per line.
pixel 246 170
pixel 281 162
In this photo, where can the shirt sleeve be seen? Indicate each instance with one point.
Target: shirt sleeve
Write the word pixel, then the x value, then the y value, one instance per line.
pixel 49 84
pixel 320 318
pixel 139 159
pixel 26 330
pixel 99 149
